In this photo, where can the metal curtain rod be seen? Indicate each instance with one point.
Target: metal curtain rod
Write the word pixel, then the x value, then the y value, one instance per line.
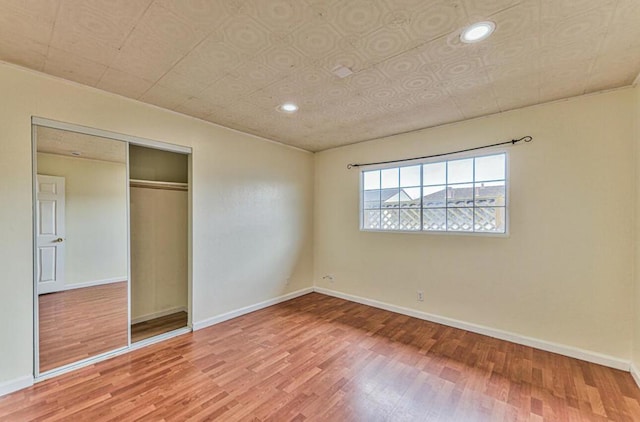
pixel 512 142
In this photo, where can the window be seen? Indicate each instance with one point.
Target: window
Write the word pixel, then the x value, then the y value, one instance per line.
pixel 462 195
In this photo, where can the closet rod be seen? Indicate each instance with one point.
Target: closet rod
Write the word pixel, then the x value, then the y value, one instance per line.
pixel 153 184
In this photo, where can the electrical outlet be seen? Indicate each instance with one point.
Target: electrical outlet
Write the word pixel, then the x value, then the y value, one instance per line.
pixel 420 296
pixel 287 281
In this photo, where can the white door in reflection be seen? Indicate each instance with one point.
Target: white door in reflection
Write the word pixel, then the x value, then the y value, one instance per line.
pixel 50 233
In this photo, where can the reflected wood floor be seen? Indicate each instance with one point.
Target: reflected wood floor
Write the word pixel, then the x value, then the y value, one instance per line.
pixel 156 326
pixel 324 359
pixel 80 323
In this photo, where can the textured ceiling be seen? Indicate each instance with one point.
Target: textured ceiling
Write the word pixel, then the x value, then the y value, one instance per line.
pixel 233 62
pixel 62 142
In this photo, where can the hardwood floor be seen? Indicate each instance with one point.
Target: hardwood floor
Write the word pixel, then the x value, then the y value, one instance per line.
pixel 154 327
pixel 324 359
pixel 80 323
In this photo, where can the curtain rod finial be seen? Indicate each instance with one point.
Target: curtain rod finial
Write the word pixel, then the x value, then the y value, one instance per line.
pixel 524 138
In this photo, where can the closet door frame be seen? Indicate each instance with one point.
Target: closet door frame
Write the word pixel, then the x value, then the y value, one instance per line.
pixel 128 140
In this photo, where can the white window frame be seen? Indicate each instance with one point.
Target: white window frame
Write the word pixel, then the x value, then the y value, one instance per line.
pixel 453 157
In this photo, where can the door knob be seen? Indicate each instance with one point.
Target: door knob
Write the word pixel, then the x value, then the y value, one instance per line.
pixel 58 240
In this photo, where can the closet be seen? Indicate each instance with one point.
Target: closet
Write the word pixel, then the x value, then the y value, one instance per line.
pixel 111 228
pixel 158 194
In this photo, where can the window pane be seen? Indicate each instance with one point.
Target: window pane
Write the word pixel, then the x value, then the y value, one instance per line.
pixel 434 196
pixel 390 219
pixel 490 168
pixel 371 219
pixel 460 171
pixel 490 219
pixel 460 195
pixel 460 219
pixel 410 219
pixel 464 195
pixel 490 194
pixel 434 174
pixel 409 176
pixel 390 178
pixel 390 198
pixel 434 219
pixel 410 198
pixel 372 180
pixel 371 199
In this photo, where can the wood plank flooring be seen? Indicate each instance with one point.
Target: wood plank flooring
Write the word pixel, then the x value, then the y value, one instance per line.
pixel 320 358
pixel 80 323
pixel 154 327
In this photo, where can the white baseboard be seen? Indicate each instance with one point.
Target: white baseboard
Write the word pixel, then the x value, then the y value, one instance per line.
pixel 159 314
pixel 561 349
pixel 93 283
pixel 635 374
pixel 8 387
pixel 198 325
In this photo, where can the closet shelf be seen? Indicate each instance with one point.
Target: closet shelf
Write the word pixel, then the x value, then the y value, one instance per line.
pixel 153 184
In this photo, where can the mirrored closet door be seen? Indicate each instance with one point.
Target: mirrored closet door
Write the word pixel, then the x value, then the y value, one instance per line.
pixel 81 246
pixel 111 233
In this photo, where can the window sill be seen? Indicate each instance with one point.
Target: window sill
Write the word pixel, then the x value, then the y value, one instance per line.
pixel 439 233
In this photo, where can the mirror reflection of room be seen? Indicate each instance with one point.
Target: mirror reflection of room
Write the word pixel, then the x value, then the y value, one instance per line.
pixel 81 243
pixel 159 236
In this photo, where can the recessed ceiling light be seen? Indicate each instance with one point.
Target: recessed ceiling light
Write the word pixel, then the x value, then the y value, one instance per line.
pixel 288 108
pixel 477 32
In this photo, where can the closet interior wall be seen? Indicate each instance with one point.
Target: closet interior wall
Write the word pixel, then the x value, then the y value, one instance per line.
pixel 159 241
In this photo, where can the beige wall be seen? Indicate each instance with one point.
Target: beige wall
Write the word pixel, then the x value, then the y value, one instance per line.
pixel 636 268
pixel 563 275
pixel 159 264
pixel 95 217
pixel 238 259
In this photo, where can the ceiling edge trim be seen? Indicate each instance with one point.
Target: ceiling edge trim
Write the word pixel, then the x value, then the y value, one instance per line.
pixel 457 122
pixel 113 94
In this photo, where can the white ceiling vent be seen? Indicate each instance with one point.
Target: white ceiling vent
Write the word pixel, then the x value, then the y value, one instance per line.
pixel 342 71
